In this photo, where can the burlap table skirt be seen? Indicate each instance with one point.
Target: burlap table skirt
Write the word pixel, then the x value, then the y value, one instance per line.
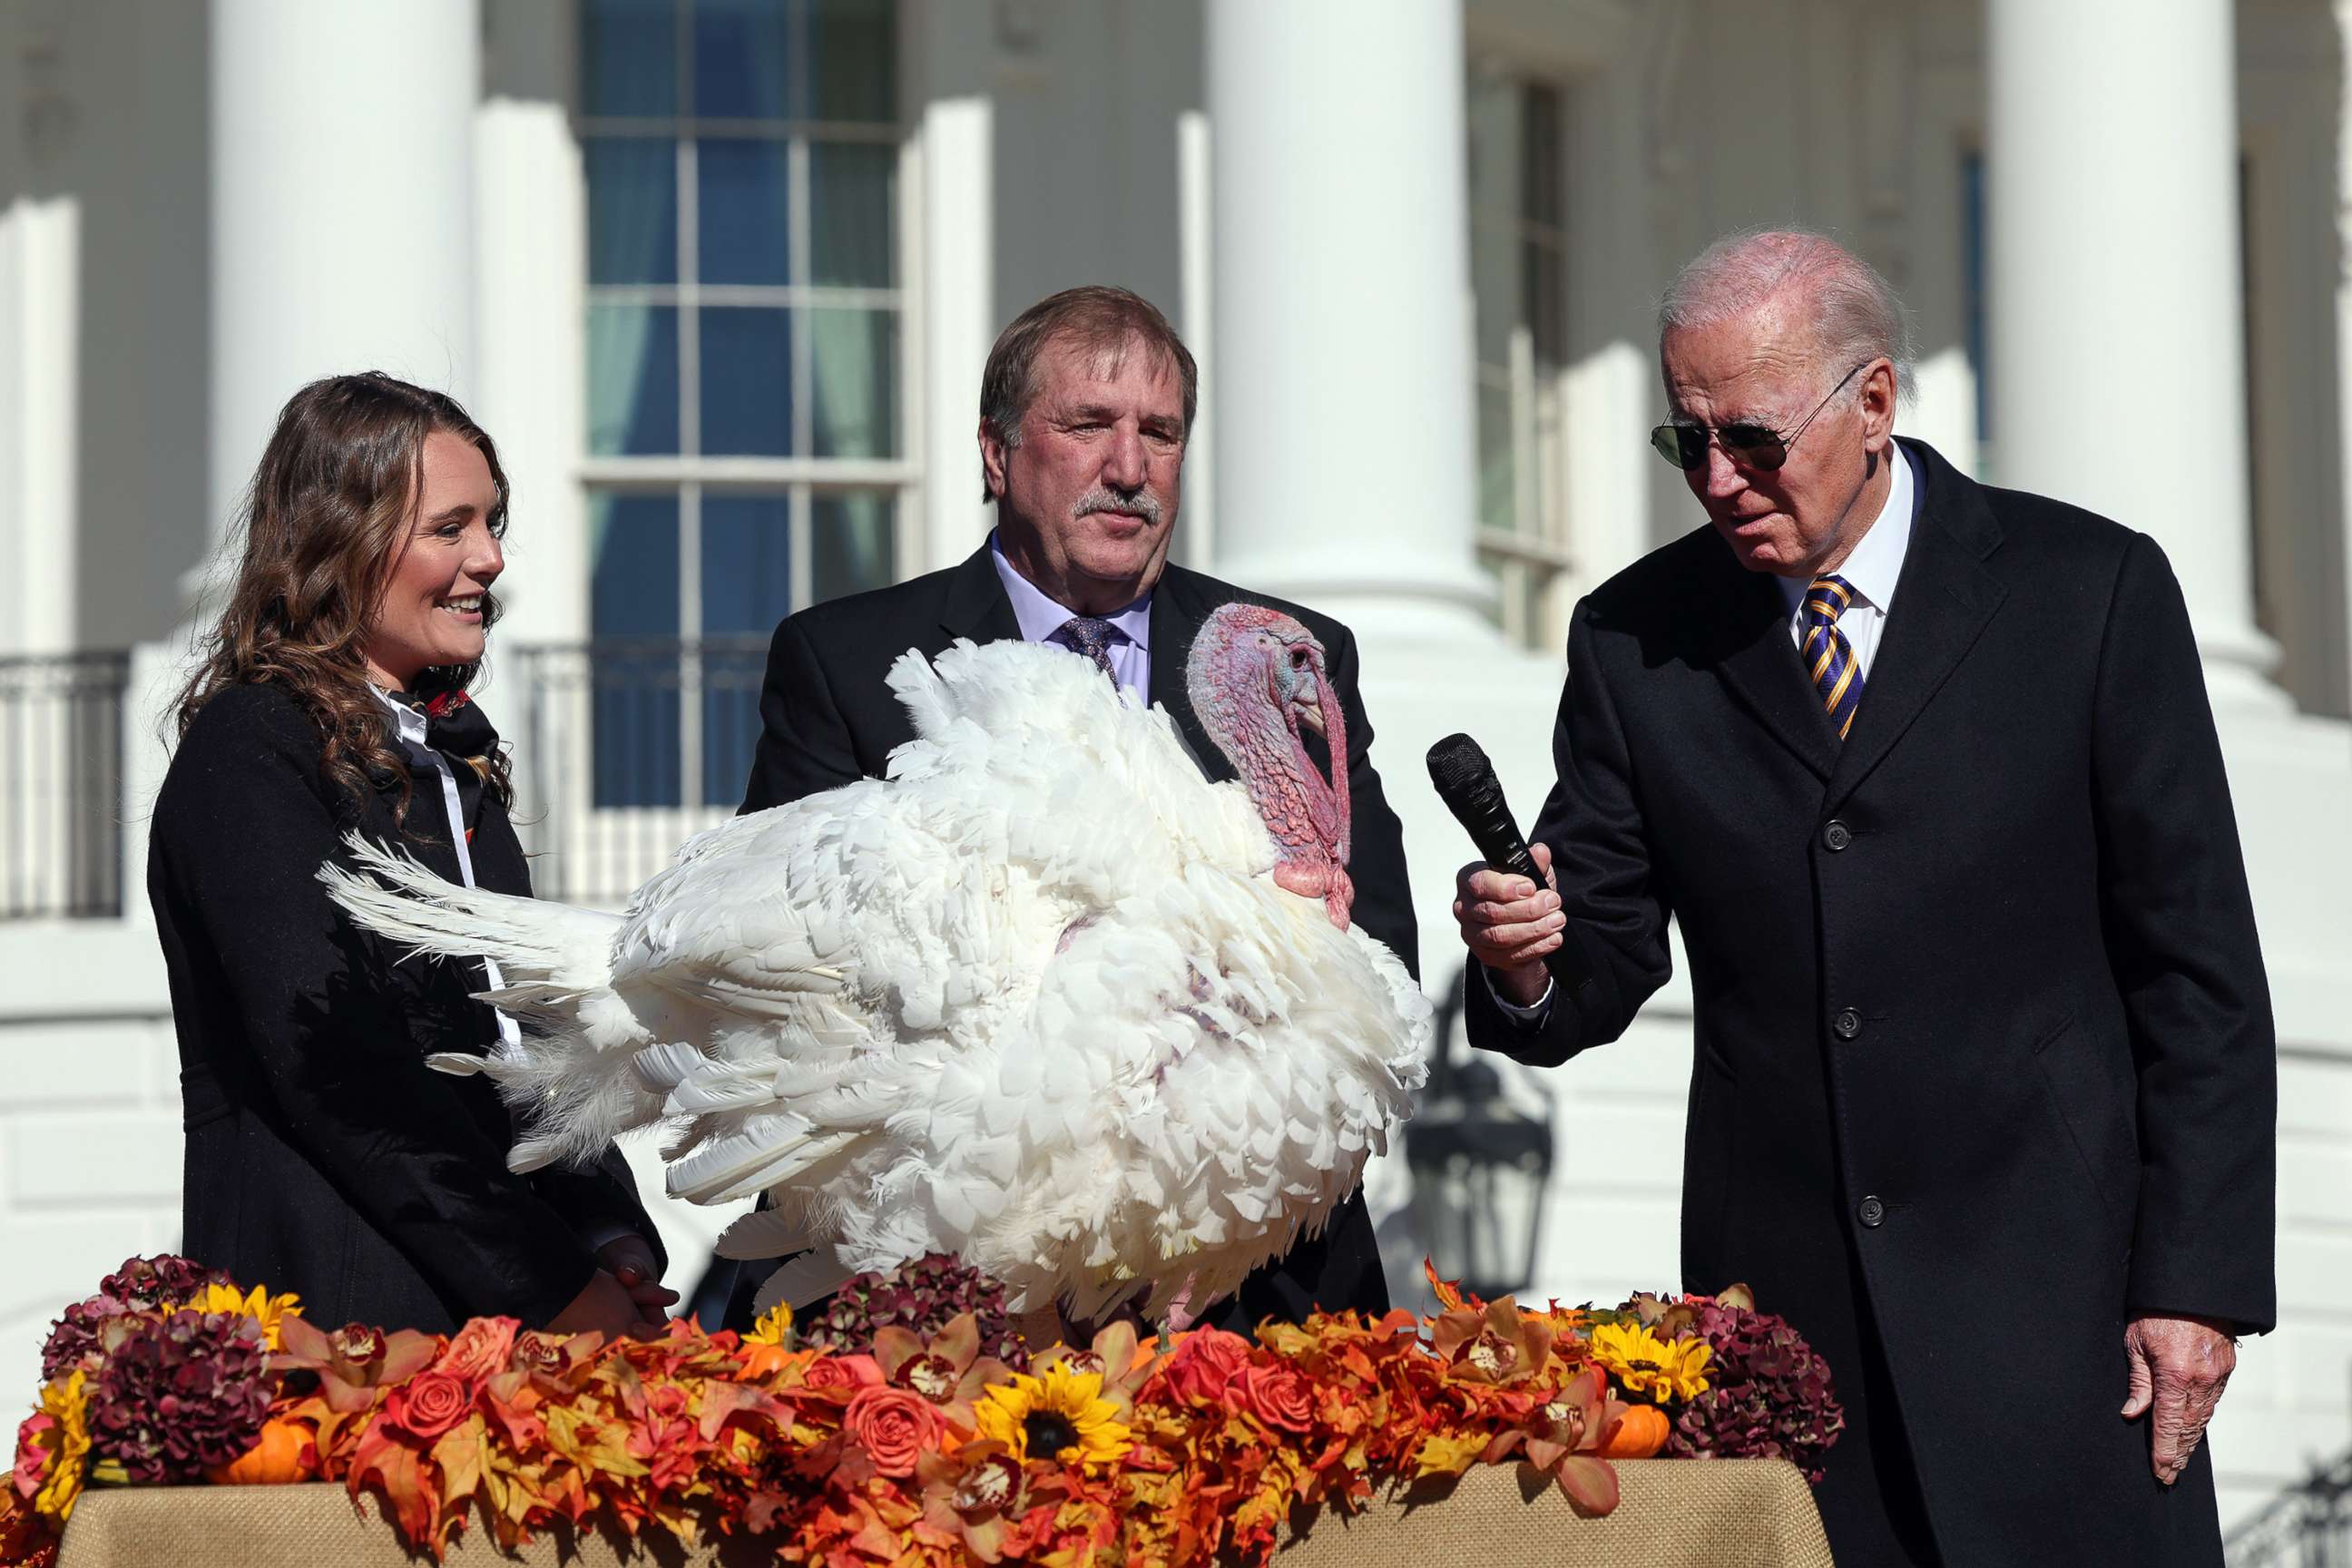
pixel 1720 1513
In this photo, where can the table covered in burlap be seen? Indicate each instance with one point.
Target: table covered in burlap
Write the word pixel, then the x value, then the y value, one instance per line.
pixel 1720 1513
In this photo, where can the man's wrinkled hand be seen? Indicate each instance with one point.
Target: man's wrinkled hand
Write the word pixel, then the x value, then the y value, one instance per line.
pixel 2178 1368
pixel 1509 924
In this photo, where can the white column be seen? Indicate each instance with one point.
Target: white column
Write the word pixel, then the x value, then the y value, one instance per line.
pixel 1344 463
pixel 2118 351
pixel 342 234
pixel 40 316
pixel 956 325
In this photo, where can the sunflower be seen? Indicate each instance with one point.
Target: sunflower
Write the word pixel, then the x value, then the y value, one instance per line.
pixel 1643 1364
pixel 259 1304
pixel 1059 1414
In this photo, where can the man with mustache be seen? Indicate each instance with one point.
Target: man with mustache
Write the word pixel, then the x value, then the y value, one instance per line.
pixel 1086 405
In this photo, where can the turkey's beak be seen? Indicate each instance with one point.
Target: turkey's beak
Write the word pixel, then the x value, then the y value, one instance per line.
pixel 1310 713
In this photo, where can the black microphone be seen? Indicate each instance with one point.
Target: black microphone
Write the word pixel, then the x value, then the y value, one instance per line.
pixel 1466 781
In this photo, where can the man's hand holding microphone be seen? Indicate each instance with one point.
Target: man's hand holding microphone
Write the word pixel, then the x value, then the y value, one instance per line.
pixel 1510 920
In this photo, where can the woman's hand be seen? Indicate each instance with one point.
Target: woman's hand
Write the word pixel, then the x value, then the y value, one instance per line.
pixel 604 1306
pixel 630 1260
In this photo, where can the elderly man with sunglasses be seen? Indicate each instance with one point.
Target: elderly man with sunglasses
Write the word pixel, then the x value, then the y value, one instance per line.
pixel 1984 1086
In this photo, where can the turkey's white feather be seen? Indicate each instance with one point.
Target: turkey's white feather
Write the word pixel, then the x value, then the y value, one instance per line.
pixel 1035 1000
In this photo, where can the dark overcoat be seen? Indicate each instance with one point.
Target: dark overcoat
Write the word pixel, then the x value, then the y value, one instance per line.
pixel 828 718
pixel 323 1156
pixel 1984 1058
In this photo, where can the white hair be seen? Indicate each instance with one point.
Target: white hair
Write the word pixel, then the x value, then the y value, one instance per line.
pixel 1853 311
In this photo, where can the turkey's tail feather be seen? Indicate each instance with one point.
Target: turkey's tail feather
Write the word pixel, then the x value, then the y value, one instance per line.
pixel 570 1078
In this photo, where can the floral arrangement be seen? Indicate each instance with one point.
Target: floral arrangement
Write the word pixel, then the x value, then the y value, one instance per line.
pixel 893 1437
pixel 924 1297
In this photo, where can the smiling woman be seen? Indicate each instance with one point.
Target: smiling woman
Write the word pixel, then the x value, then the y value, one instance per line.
pixel 322 1154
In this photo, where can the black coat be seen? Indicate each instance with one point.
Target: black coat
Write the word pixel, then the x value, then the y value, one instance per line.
pixel 323 1156
pixel 829 720
pixel 1984 1059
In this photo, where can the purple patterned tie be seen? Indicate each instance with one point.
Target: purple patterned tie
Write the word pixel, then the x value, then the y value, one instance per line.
pixel 1091 635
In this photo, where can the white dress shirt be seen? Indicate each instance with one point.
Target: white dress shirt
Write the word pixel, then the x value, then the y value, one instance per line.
pixel 411 724
pixel 1041 617
pixel 1871 571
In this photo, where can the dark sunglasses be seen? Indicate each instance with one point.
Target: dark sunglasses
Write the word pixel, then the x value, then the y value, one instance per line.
pixel 1750 444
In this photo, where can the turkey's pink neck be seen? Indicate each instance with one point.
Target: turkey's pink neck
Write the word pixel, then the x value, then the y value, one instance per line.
pixel 1306 812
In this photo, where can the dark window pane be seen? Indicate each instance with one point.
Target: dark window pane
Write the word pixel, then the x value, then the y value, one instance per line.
pixel 746 383
pixel 852 59
pixel 856 392
pixel 746 590
pixel 853 194
pixel 747 574
pixel 745 211
pixel 1539 160
pixel 633 659
pixel 1545 308
pixel 632 379
pixel 632 209
pixel 852 544
pixel 742 59
pixel 628 58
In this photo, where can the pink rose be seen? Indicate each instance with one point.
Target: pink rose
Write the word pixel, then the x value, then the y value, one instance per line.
pixel 1275 1395
pixel 480 1349
pixel 895 1425
pixel 1203 1364
pixel 32 1471
pixel 428 1404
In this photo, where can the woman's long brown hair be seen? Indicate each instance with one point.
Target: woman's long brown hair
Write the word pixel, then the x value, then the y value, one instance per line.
pixel 326 520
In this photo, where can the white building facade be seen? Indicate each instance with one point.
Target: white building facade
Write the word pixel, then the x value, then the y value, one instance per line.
pixel 720 277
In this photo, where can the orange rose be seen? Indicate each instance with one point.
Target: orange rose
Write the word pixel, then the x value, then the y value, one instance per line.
pixel 897 1427
pixel 844 1372
pixel 481 1350
pixel 1203 1364
pixel 428 1404
pixel 1275 1395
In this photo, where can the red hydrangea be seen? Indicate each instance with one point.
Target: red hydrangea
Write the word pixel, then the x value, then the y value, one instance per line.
pixel 922 1297
pixel 177 1395
pixel 1770 1396
pixel 141 1285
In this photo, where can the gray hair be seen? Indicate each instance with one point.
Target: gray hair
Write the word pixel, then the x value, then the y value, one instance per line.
pixel 1855 314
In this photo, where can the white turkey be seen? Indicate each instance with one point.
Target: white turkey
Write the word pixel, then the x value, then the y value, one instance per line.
pixel 1045 998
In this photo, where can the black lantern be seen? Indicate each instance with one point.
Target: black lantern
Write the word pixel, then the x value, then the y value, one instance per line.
pixel 1481 1167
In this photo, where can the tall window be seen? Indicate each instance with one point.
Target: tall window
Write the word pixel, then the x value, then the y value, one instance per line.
pixel 1520 275
pixel 745 450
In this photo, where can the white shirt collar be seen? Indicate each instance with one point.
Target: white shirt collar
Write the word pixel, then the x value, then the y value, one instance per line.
pixel 409 721
pixel 1877 563
pixel 1041 617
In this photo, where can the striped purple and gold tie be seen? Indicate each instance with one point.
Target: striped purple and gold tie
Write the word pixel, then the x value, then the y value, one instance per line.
pixel 1828 657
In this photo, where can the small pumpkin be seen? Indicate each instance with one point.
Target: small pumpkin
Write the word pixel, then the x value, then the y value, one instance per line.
pixel 1640 1433
pixel 283 1454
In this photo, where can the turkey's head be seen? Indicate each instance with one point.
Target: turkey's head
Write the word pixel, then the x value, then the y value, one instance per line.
pixel 1258 685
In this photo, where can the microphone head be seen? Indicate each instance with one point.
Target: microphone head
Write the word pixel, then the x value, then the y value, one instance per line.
pixel 1464 778
pixel 1455 762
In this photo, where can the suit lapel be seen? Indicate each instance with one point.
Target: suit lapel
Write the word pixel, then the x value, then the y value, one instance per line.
pixel 1177 612
pixel 976 605
pixel 1943 600
pixel 1762 665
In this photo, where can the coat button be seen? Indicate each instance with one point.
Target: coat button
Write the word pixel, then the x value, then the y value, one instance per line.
pixel 1848 1024
pixel 1837 835
pixel 1872 1212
